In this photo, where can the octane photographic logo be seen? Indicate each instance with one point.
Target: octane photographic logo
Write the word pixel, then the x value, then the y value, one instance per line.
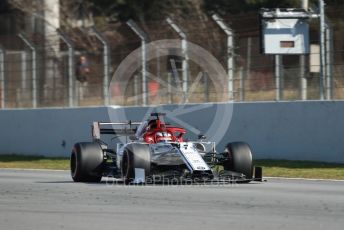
pixel 209 119
pixel 175 181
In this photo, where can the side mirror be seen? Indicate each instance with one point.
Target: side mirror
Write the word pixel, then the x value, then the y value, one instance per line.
pixel 201 137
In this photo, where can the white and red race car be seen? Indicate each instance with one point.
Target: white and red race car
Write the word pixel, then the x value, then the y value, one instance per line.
pixel 157 152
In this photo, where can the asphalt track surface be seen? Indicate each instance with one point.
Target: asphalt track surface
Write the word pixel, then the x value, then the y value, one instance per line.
pixel 34 200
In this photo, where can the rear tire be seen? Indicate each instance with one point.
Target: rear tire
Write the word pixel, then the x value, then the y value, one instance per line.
pixel 240 158
pixel 87 162
pixel 135 156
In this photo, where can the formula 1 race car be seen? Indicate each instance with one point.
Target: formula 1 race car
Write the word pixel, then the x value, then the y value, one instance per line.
pixel 157 152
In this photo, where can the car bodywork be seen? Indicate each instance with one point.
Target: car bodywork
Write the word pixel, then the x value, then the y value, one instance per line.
pixel 161 154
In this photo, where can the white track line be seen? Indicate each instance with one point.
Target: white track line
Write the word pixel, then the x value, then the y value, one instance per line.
pixel 301 178
pixel 278 178
pixel 38 170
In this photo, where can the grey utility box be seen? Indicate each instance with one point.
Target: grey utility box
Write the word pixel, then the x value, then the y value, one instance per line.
pixel 284 31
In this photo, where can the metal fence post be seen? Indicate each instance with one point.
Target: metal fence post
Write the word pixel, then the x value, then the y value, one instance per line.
pixel 206 86
pixel 71 77
pixel 278 77
pixel 169 87
pixel 242 84
pixel 329 53
pixel 230 53
pixel 24 71
pixel 136 87
pixel 184 46
pixel 248 63
pixel 34 68
pixel 2 77
pixel 303 79
pixel 144 38
pixel 106 65
pixel 322 49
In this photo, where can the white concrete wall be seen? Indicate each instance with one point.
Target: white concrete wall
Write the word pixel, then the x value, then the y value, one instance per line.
pixel 276 130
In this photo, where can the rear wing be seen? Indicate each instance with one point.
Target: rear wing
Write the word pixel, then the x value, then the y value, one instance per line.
pixel 128 128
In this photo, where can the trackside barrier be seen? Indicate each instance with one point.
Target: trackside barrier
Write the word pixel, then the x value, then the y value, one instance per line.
pixel 312 130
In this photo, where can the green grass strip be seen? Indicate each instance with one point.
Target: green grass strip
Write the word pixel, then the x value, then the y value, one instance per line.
pixel 33 162
pixel 301 169
pixel 271 168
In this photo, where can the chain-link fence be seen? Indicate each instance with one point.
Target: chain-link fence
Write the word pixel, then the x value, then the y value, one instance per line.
pixel 56 71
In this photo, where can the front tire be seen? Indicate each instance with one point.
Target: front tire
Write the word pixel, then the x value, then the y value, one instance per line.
pixel 239 158
pixel 86 162
pixel 135 156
